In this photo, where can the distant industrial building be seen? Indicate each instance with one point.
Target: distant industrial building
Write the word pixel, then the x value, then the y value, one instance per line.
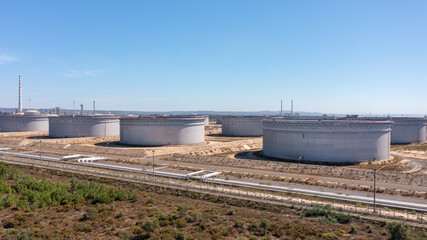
pixel 331 141
pixel 162 130
pixel 70 126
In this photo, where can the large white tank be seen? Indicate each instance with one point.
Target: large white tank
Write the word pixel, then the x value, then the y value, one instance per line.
pixel 206 120
pixel 83 126
pixel 242 126
pixel 21 123
pixel 332 141
pixel 159 131
pixel 408 130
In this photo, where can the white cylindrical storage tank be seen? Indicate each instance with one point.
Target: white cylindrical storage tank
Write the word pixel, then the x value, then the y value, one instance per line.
pixel 331 141
pixel 83 126
pixel 21 123
pixel 219 119
pixel 242 126
pixel 408 130
pixel 159 131
pixel 206 120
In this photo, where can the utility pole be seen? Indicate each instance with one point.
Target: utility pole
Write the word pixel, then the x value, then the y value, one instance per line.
pixel 153 165
pixel 375 180
pixel 40 152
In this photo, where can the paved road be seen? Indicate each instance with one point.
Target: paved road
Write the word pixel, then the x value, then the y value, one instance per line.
pixel 247 170
pixel 391 201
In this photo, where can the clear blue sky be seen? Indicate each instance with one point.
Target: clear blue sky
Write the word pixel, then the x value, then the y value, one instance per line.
pixel 329 56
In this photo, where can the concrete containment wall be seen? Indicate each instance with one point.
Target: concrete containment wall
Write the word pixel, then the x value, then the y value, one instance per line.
pixel 333 141
pixel 159 131
pixel 23 123
pixel 83 126
pixel 408 130
pixel 242 126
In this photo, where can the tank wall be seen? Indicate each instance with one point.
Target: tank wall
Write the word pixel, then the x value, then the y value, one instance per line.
pixel 219 119
pixel 23 124
pixel 408 132
pixel 326 146
pixel 145 133
pixel 69 127
pixel 241 127
pixel 206 120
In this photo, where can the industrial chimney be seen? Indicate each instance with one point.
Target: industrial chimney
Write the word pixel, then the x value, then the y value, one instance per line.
pixel 81 109
pixel 292 107
pixel 20 96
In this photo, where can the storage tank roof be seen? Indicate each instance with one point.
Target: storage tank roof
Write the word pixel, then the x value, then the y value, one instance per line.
pixel 89 116
pixel 31 112
pixel 327 122
pixel 165 118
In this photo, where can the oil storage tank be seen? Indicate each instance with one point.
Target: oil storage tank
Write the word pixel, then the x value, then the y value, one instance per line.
pixel 408 130
pixel 331 141
pixel 206 120
pixel 24 123
pixel 242 126
pixel 162 130
pixel 83 126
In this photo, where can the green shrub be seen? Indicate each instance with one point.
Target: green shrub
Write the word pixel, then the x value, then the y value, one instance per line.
pixel 398 231
pixel 264 224
pixel 90 214
pixel 102 197
pixel 20 234
pixel 9 200
pixel 133 197
pixel 353 230
pixel 182 209
pixel 150 200
pixel 180 223
pixel 150 225
pixel 329 236
pixel 343 218
pixel 126 235
pixel 181 236
pixel 319 211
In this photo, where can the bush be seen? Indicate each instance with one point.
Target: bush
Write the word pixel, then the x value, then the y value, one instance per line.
pixel 330 216
pixel 133 197
pixel 181 236
pixel 264 224
pixel 90 214
pixel 230 213
pixel 329 236
pixel 9 200
pixel 150 200
pixel 150 225
pixel 20 234
pixel 343 218
pixel 126 235
pixel 180 223
pixel 102 198
pixel 353 230
pixel 182 209
pixel 398 231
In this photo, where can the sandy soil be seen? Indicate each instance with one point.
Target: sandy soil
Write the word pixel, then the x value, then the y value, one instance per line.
pixel 214 144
